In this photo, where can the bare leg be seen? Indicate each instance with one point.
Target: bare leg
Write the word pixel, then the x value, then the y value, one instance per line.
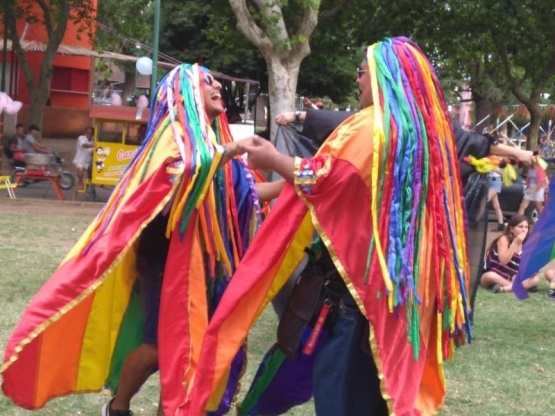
pixel 490 279
pixel 523 205
pixel 79 185
pixel 138 366
pixel 539 206
pixel 527 284
pixel 497 208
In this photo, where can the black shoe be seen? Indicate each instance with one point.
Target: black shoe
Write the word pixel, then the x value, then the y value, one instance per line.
pixel 108 411
pixel 500 227
pixel 551 294
pixel 532 289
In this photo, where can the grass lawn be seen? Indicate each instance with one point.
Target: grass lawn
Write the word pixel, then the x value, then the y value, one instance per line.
pixel 509 369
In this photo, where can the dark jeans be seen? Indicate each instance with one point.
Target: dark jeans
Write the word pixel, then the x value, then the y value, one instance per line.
pixel 152 252
pixel 150 275
pixel 345 379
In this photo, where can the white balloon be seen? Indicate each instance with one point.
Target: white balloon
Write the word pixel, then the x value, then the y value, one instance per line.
pixel 142 101
pixel 144 65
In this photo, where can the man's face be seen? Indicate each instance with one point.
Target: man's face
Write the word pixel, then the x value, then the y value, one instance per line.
pixel 363 81
pixel 212 97
pixel 34 132
pixel 89 133
pixel 20 131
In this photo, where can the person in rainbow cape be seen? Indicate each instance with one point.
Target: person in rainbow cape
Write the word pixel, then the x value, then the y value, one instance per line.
pixel 383 196
pixel 179 212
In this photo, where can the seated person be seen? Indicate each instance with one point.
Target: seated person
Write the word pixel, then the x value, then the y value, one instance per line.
pixel 550 277
pixel 30 143
pixel 135 134
pixel 13 147
pixel 503 258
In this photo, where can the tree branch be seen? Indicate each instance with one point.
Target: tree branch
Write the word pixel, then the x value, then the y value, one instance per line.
pixel 47 16
pixel 248 27
pixel 328 14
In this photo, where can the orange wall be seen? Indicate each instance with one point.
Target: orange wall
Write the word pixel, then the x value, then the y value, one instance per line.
pixel 59 122
pixel 37 32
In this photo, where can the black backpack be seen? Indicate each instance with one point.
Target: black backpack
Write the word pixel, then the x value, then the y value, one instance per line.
pixel 6 145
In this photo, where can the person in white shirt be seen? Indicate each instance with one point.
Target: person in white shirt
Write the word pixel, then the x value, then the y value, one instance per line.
pixel 83 157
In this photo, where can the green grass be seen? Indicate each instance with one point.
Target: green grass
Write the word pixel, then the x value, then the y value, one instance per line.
pixel 509 369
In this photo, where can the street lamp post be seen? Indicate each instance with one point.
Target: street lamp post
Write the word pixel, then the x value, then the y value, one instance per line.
pixel 5 47
pixel 153 78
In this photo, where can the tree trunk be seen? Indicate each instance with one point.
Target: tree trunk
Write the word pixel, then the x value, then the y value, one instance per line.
pixel 39 95
pixel 282 84
pixel 128 87
pixel 484 118
pixel 535 121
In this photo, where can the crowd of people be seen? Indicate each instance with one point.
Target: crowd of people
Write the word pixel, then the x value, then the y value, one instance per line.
pixel 376 216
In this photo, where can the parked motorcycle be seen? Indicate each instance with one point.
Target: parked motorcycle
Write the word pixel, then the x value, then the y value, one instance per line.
pixel 47 162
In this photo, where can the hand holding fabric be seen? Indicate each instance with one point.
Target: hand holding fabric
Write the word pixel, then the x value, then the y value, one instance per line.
pixel 285 118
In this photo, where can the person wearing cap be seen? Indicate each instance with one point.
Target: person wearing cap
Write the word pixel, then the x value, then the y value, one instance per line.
pixel 30 143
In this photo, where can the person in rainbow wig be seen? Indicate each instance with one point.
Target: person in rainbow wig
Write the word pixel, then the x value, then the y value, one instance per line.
pixel 179 212
pixel 383 195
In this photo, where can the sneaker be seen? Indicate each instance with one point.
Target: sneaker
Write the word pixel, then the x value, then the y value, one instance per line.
pixel 551 294
pixel 500 227
pixel 533 289
pixel 108 411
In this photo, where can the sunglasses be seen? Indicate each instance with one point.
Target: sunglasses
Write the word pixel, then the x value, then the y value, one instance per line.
pixel 360 72
pixel 209 79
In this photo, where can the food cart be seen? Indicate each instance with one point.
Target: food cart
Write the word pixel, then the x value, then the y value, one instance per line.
pixel 118 133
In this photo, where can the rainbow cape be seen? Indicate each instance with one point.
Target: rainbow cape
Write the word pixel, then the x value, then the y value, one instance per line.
pixel 539 248
pixel 384 195
pixel 76 332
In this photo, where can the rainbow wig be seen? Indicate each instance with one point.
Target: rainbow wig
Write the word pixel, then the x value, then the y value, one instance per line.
pixel 415 171
pixel 178 112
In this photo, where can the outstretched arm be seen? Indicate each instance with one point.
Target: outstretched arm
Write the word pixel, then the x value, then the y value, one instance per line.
pixel 269 190
pixel 525 156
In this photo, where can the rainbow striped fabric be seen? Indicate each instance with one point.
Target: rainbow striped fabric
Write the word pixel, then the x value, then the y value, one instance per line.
pixel 384 194
pixel 76 332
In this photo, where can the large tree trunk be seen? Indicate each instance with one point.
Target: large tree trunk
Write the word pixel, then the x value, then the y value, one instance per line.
pixel 39 94
pixel 535 121
pixel 128 87
pixel 282 84
pixel 282 51
pixel 483 111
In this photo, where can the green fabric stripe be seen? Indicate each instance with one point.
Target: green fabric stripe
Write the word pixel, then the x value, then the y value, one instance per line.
pixel 130 337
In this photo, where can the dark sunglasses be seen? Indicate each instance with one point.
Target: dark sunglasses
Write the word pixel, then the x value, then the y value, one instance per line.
pixel 360 72
pixel 209 79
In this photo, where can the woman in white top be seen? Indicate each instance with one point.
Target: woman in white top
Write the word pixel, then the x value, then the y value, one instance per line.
pixel 536 183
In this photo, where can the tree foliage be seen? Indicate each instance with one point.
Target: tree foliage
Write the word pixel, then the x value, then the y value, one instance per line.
pixel 123 26
pixel 54 15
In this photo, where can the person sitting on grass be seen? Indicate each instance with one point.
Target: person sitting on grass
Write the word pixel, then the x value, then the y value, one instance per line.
pixel 503 258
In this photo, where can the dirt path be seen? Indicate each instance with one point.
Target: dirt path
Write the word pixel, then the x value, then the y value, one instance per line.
pixel 48 207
